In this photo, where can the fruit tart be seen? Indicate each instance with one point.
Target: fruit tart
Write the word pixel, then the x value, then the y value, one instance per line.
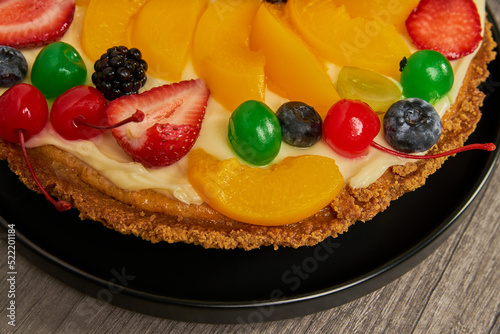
pixel 237 124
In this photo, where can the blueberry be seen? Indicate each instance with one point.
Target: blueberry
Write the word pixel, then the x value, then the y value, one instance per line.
pixel 412 125
pixel 13 66
pixel 300 124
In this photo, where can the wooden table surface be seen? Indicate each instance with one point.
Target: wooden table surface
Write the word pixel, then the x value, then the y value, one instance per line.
pixel 455 290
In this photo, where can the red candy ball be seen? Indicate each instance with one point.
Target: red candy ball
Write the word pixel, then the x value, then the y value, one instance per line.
pixel 350 126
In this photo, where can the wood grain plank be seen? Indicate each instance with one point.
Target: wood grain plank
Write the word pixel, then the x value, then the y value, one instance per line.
pixel 471 281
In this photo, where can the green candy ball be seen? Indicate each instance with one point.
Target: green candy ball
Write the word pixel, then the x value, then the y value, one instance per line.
pixel 254 133
pixel 57 68
pixel 427 75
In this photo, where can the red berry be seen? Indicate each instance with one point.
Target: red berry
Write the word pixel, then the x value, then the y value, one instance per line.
pixel 22 107
pixel 27 23
pixel 350 126
pixel 83 101
pixel 173 117
pixel 452 27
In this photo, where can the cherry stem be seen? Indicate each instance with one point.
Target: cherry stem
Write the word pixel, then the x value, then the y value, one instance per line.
pixel 486 147
pixel 60 205
pixel 136 117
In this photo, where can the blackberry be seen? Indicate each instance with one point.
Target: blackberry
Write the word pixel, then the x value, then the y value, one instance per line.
pixel 120 71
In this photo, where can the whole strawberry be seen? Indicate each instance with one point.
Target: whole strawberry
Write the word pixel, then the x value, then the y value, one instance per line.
pixel 172 123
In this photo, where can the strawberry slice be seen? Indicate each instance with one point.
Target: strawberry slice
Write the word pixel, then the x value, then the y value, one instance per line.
pixel 452 27
pixel 172 123
pixel 28 23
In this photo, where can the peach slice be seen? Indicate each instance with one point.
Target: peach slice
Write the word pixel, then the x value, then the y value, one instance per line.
pixel 222 56
pixel 106 25
pixel 291 67
pixel 371 44
pixel 164 32
pixel 285 193
pixel 385 11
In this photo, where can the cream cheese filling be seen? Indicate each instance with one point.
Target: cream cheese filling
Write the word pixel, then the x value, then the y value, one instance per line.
pixel 104 155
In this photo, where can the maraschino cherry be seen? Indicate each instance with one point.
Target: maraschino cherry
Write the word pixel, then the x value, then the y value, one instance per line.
pixel 23 108
pixel 351 125
pixel 80 113
pixel 23 114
